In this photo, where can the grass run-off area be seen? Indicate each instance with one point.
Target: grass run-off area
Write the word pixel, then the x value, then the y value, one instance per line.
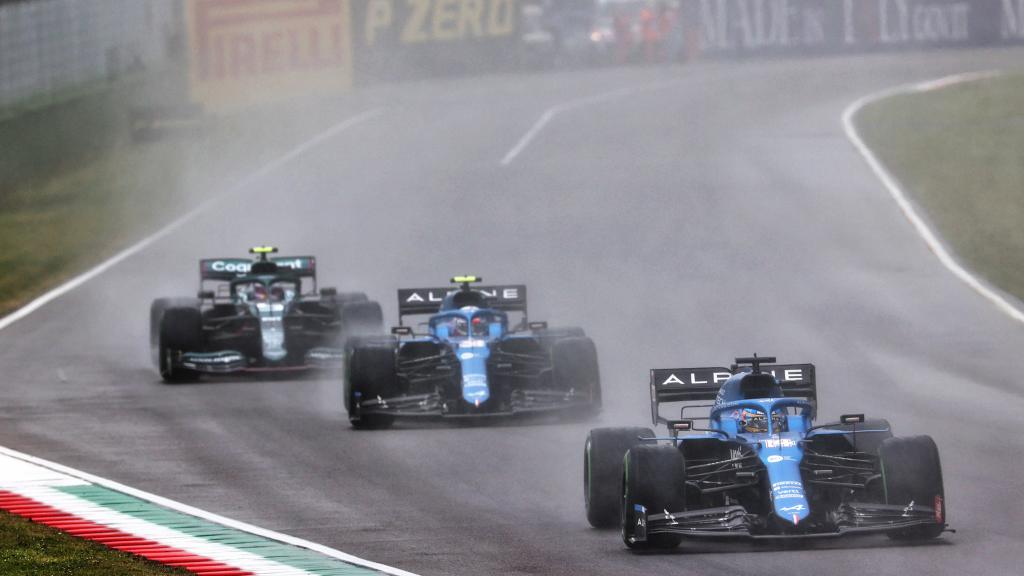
pixel 51 227
pixel 75 187
pixel 29 549
pixel 959 154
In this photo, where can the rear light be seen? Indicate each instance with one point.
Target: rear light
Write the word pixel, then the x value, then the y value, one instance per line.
pixel 939 513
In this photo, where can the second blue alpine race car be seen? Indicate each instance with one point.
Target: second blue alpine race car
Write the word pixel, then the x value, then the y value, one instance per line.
pixel 760 467
pixel 471 362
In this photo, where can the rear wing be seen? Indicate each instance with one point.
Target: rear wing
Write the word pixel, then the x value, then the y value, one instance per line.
pixel 702 384
pixel 226 269
pixel 413 301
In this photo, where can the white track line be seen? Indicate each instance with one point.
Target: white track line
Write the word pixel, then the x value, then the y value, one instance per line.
pixel 186 509
pixel 898 194
pixel 554 111
pixel 188 216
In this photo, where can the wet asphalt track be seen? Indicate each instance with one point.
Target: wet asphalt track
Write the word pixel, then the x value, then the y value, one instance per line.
pixel 721 214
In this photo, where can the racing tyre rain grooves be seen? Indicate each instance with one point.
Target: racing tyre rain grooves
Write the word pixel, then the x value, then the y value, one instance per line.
pixel 574 361
pixel 654 477
pixel 912 472
pixel 602 472
pixel 181 329
pixel 370 372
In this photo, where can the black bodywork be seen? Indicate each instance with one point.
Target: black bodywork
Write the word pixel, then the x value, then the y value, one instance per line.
pixel 262 316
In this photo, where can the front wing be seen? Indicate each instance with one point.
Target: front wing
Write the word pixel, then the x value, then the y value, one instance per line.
pixel 232 362
pixel 434 406
pixel 735 522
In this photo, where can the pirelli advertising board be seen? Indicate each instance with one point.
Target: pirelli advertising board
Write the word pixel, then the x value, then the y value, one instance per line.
pixel 417 38
pixel 245 52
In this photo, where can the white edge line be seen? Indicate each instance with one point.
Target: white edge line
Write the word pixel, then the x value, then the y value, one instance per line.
pixel 898 194
pixel 554 111
pixel 141 245
pixel 192 511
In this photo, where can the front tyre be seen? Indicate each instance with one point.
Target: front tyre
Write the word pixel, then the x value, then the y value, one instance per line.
pixel 602 471
pixel 654 480
pixel 181 330
pixel 911 472
pixel 156 316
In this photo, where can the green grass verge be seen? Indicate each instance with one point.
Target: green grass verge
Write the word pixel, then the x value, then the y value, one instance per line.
pixel 31 549
pixel 959 153
pixel 52 227
pixel 75 188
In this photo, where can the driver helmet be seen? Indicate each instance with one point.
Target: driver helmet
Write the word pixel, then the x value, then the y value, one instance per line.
pixel 753 421
pixel 258 293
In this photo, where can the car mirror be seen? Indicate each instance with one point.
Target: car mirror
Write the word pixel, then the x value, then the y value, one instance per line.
pixel 681 425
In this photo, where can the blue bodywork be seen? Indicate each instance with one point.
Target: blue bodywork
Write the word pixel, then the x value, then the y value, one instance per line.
pixel 470 330
pixel 472 361
pixel 778 447
pixel 761 468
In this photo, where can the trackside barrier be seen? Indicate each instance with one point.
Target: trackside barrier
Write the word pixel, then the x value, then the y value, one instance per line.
pixel 248 51
pixel 741 27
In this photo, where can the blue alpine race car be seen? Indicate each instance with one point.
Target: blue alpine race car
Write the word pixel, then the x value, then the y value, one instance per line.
pixel 471 362
pixel 760 467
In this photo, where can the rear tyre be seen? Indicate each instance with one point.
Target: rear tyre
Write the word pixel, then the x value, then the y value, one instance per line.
pixel 361 318
pixel 549 336
pixel 602 472
pixel 349 297
pixel 181 330
pixel 370 372
pixel 911 472
pixel 574 363
pixel 654 478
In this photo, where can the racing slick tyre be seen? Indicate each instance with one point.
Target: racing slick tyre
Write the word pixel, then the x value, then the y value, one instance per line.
pixel 574 364
pixel 370 372
pixel 654 478
pixel 911 472
pixel 181 330
pixel 361 319
pixel 602 472
pixel 156 314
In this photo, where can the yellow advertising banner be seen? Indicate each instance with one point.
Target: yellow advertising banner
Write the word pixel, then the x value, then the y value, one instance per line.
pixel 247 52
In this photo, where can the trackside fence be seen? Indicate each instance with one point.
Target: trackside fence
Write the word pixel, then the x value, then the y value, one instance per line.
pixel 49 48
